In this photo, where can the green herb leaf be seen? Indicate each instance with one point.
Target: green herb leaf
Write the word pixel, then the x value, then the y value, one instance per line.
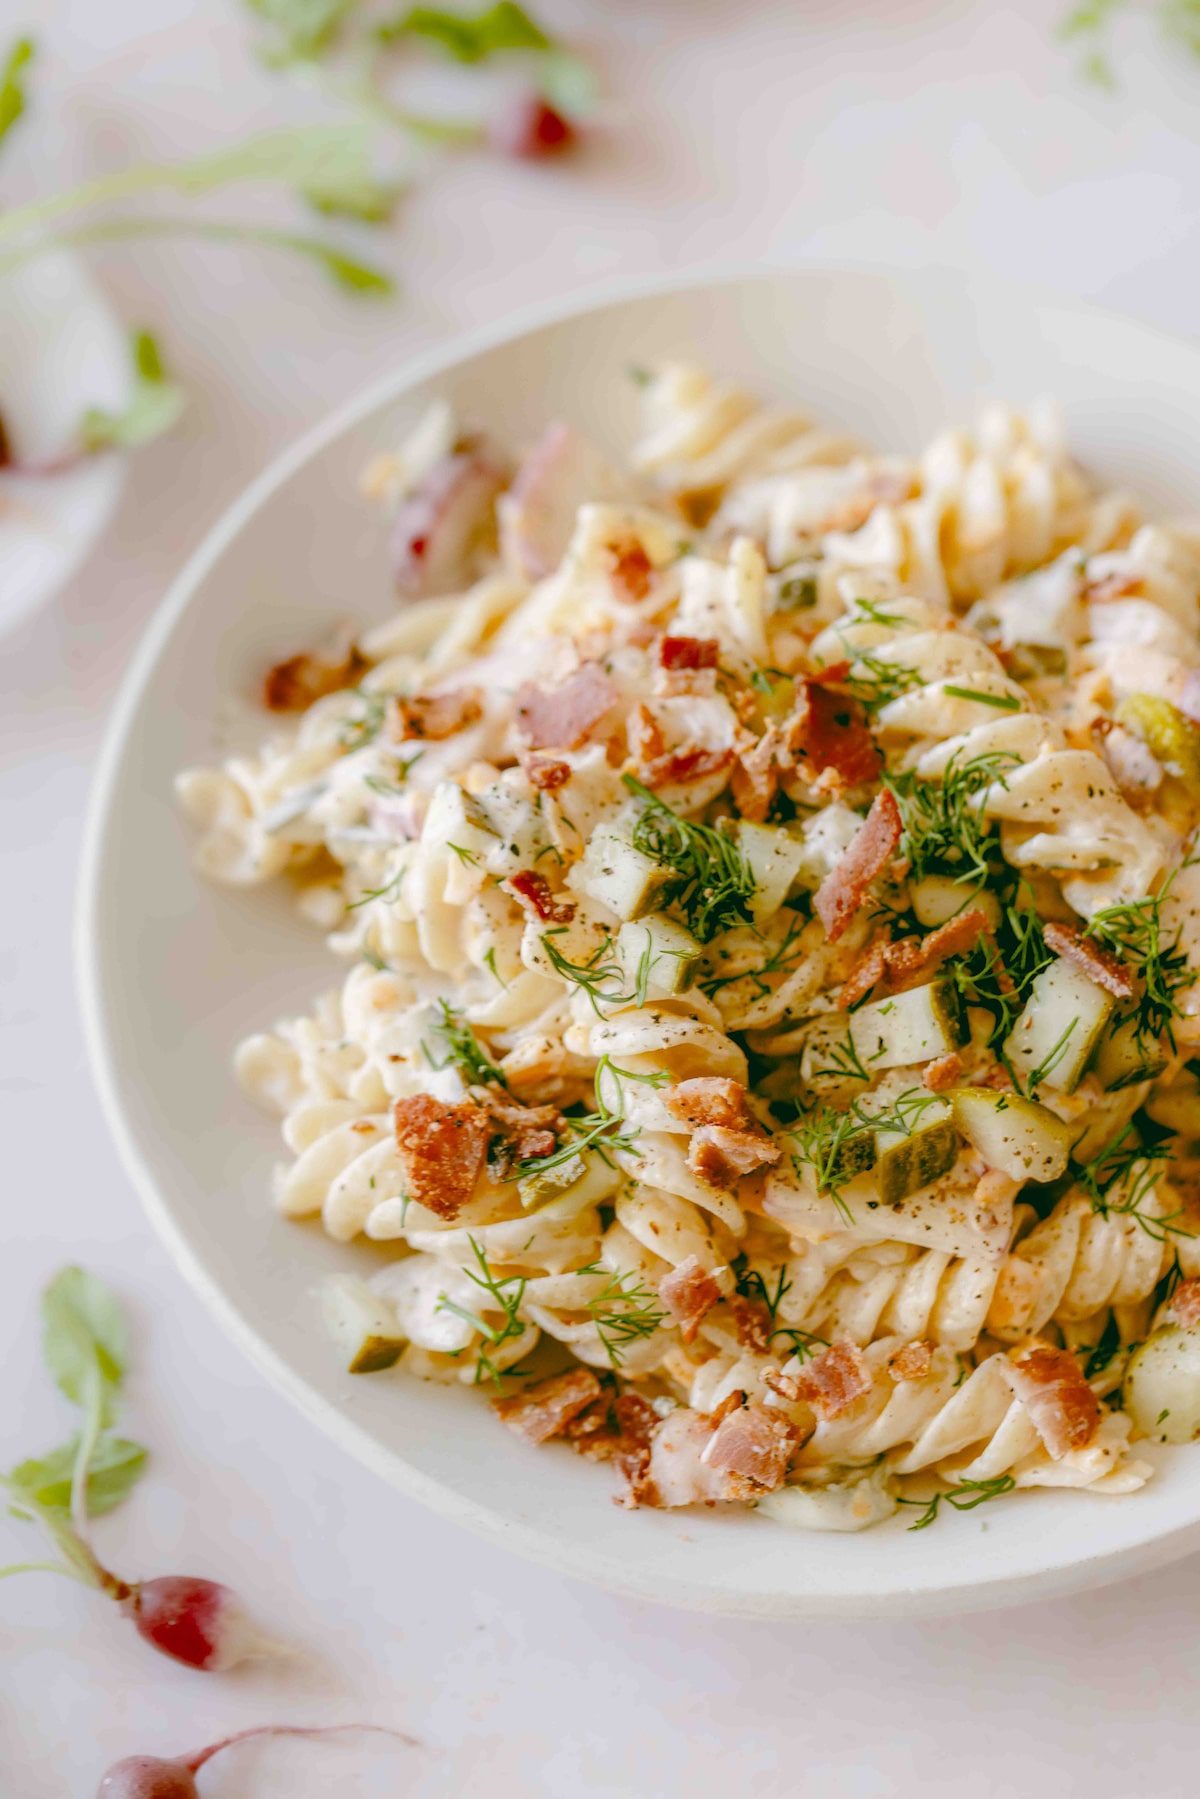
pixel 114 1469
pixel 964 1498
pixel 13 97
pixel 713 883
pixel 153 407
pixel 1003 702
pixel 469 38
pixel 83 1334
pixel 462 1050
pixel 944 827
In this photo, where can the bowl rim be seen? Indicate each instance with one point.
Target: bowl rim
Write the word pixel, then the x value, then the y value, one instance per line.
pixel 980 1592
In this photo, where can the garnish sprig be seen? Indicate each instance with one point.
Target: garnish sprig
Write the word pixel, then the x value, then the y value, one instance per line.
pixel 964 1497
pixel 462 1050
pixel 711 883
pixel 945 830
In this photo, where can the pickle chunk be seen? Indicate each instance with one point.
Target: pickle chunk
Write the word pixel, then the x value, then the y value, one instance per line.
pixel 1167 732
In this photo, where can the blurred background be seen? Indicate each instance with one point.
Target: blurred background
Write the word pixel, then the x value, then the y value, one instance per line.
pixel 1053 145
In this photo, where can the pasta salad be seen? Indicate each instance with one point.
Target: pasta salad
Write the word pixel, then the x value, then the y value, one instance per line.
pixel 764 875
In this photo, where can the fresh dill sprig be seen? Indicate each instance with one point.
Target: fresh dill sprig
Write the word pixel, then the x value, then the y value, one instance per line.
pixel 463 1050
pixel 1104 1349
pixel 593 1130
pixel 1052 1058
pixel 871 612
pixel 1122 1176
pixel 751 1284
pixel 845 1064
pixel 712 883
pixel 489 962
pixel 625 1311
pixel 964 1497
pixel 945 831
pixel 506 1293
pixel 388 891
pixel 595 976
pixel 875 683
pixel 367 724
pixel 1135 932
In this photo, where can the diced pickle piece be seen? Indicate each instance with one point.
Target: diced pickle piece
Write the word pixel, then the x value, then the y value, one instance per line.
pixel 1161 1390
pixel 1060 1026
pixel 1124 1058
pixel 905 1161
pixel 362 1325
pixel 1167 732
pixel 657 954
pixel 776 859
pixel 1020 1137
pixel 619 876
pixel 938 898
pixel 907 1028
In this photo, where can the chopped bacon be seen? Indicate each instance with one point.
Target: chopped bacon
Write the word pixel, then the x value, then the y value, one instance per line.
pixel 1097 964
pixel 912 1362
pixel 908 961
pixel 535 894
pixel 711 1099
pixel 688 652
pixel 1184 1306
pixel 443 524
pixel 678 767
pixel 688 1292
pixel 526 1131
pixel 844 889
pixel 944 1073
pixel 760 761
pixel 751 1322
pixel 721 1157
pixel 442 1148
pixel 832 675
pixel 632 570
pixel 563 719
pixel 753 1444
pixel 292 686
pixel 436 716
pixel 545 774
pixel 1058 1401
pixel 835 1380
pixel 545 1409
pixel 830 729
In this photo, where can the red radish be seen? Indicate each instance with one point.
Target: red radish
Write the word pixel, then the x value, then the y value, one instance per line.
pixel 198 1622
pixel 152 1777
pixel 446 519
pixel 528 127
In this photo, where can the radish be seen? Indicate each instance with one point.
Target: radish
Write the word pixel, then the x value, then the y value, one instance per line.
pixel 528 127
pixel 445 521
pixel 153 1777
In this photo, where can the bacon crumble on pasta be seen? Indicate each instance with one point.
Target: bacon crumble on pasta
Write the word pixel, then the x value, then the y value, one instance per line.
pixel 767 884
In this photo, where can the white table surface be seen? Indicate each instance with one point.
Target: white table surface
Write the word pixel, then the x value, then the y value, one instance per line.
pixel 904 131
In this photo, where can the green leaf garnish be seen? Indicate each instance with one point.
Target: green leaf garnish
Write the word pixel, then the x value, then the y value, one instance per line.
pixel 13 96
pixel 713 883
pixel 114 1469
pixel 469 38
pixel 83 1334
pixel 964 1497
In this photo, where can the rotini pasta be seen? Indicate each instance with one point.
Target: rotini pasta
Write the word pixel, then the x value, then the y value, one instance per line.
pixel 766 885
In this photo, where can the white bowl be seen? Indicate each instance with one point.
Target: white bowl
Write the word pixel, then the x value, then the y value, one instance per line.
pixel 175 972
pixel 61 351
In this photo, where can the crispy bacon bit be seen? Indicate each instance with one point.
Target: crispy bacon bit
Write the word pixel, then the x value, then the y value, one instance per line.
pixel 751 1322
pixel 910 960
pixel 753 1444
pixel 943 1074
pixel 844 889
pixel 688 1292
pixel 1098 964
pixel 443 1148
pixel 535 894
pixel 436 716
pixel 526 1131
pixel 912 1362
pixel 680 766
pixel 722 1157
pixel 1185 1304
pixel 563 719
pixel 835 1380
pixel 292 686
pixel 830 729
pixel 545 1409
pixel 865 975
pixel 711 1099
pixel 547 775
pixel 688 652
pixel 760 762
pixel 632 570
pixel 832 675
pixel 1060 1405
